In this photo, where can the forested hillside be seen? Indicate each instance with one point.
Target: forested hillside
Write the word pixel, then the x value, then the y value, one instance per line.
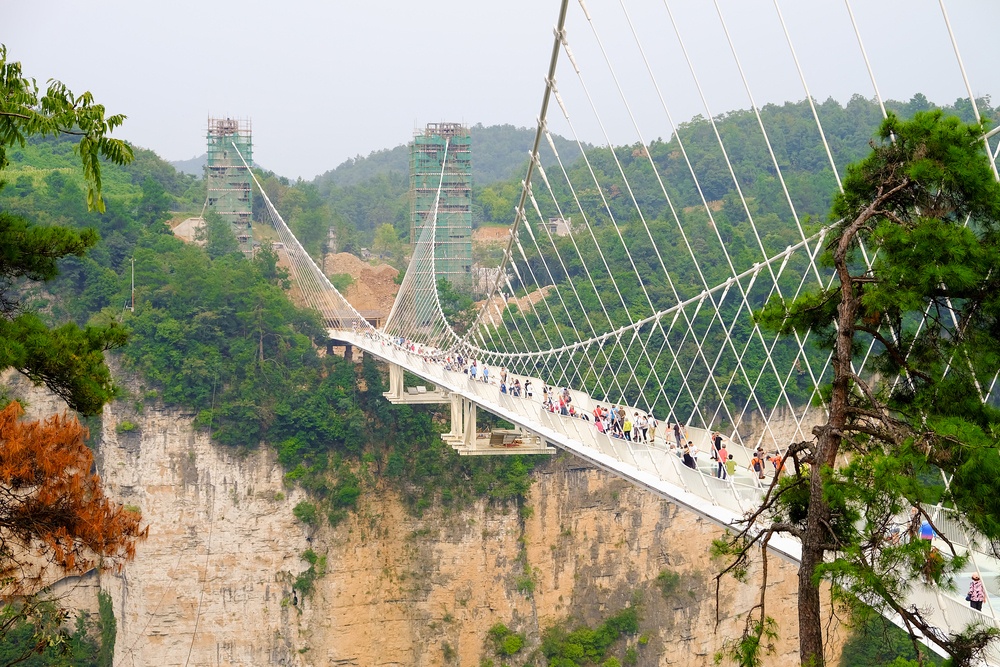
pixel 361 195
pixel 500 152
pixel 214 332
pixel 699 230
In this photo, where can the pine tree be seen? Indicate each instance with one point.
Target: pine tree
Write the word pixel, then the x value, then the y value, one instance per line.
pixel 926 204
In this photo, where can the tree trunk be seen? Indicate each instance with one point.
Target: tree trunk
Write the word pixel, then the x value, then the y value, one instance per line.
pixel 828 440
pixel 810 623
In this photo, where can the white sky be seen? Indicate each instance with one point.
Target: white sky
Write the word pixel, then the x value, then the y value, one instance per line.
pixel 324 81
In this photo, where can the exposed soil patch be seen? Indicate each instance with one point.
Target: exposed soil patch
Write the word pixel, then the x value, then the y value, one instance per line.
pixel 490 235
pixel 523 303
pixel 374 286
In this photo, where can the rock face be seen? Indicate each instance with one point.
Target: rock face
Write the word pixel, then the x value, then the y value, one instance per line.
pixel 425 592
pixel 214 583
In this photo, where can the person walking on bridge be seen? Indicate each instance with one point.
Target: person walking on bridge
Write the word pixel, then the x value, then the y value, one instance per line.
pixel 977 593
pixel 722 455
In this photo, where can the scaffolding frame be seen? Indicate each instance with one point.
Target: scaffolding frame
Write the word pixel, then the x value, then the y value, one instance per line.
pixel 227 177
pixel 453 237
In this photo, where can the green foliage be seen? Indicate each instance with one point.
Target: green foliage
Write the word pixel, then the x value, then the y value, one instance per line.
pixel 125 426
pixel 449 651
pixel 306 581
pixel 306 512
pixel 388 246
pixel 505 641
pixel 584 646
pixel 457 307
pixel 67 359
pixel 341 281
pixel 749 650
pixel 107 629
pixel 726 240
pixel 24 113
pixel 218 236
pixel 40 639
pixel 875 642
pixel 525 584
pixel 668 582
pixel 926 198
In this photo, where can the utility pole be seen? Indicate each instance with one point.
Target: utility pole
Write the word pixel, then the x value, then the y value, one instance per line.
pixel 132 307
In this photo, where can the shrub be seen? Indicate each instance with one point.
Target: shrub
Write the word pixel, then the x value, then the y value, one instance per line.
pixel 668 582
pixel 306 513
pixel 505 641
pixel 306 581
pixel 525 585
pixel 341 281
pixel 512 643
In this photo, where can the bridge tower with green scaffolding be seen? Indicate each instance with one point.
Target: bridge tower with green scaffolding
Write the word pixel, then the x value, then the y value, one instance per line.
pixel 447 146
pixel 227 178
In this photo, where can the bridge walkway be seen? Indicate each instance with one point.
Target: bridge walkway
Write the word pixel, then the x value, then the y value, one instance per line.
pixel 656 467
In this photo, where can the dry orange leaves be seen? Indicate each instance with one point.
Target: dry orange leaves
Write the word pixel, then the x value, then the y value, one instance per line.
pixel 53 511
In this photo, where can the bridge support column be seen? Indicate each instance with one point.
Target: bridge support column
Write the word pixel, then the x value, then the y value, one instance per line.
pixel 399 393
pixel 463 424
pixel 349 349
pixel 454 434
pixel 469 424
pixel 396 388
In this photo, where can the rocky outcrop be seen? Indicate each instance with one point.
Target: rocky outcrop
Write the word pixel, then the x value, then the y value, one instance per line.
pixel 214 583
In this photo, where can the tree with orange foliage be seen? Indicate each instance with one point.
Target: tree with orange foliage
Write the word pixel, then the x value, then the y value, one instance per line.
pixel 53 511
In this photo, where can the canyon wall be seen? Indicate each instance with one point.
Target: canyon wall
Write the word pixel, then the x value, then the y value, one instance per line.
pixel 214 583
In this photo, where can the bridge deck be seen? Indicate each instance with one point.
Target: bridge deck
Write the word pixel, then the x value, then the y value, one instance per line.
pixel 657 468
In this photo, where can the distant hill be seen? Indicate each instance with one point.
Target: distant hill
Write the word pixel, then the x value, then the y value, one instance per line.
pixel 195 166
pixel 499 152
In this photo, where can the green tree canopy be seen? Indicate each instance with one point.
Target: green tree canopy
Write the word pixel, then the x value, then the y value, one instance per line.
pixel 927 202
pixel 69 360
pixel 25 113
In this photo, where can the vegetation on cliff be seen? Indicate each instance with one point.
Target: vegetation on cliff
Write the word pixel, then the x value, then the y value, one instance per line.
pixel 53 512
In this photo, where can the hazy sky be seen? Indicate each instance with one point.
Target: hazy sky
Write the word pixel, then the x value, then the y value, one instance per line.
pixel 325 81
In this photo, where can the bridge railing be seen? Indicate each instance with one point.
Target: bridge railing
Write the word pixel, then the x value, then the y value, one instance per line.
pixel 737 495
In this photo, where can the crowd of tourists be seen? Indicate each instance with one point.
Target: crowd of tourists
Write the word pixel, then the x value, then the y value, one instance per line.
pixel 639 427
pixel 613 420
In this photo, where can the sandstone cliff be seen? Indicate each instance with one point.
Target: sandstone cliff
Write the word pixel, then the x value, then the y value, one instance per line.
pixel 213 585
